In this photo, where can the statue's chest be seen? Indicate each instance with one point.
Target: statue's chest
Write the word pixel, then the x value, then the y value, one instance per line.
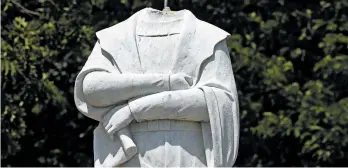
pixel 157 53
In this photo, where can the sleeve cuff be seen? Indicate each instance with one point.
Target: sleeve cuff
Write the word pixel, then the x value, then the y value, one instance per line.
pixel 131 107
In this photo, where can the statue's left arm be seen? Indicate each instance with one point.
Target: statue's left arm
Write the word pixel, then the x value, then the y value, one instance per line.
pixel 190 104
pixel 177 105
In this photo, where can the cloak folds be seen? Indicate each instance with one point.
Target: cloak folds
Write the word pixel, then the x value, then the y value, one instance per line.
pixel 198 56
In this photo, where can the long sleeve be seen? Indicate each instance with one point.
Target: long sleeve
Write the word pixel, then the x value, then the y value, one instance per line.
pixel 95 62
pixel 100 85
pixel 176 105
pixel 187 104
pixel 103 88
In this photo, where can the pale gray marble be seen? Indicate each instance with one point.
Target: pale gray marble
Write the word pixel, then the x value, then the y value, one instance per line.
pixel 162 82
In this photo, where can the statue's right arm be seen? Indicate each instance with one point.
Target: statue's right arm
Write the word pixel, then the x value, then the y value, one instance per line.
pixel 99 86
pixel 103 84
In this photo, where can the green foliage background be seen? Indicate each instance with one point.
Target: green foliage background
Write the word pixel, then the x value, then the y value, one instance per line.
pixel 290 59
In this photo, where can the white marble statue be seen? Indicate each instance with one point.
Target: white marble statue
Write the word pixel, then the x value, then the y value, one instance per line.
pixel 164 81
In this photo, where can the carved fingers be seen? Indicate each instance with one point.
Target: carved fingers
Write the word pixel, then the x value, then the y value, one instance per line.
pixel 115 120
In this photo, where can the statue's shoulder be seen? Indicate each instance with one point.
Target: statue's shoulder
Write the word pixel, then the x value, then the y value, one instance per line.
pixel 116 30
pixel 208 30
pixel 208 36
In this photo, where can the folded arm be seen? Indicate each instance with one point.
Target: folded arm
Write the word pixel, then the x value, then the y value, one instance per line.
pixel 176 105
pixel 191 104
pixel 100 86
pixel 104 88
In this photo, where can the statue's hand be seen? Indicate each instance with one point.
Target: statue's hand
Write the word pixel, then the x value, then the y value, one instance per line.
pixel 180 81
pixel 115 120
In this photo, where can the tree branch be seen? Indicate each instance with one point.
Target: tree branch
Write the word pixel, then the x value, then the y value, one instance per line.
pixel 25 10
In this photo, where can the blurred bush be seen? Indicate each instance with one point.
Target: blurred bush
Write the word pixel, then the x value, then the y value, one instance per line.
pixel 290 60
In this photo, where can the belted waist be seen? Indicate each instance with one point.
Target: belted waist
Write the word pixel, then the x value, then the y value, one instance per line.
pixel 165 125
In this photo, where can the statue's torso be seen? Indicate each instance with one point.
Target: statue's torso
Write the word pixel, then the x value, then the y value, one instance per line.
pixel 163 143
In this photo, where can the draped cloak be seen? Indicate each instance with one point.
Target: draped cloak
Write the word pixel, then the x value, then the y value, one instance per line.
pixel 116 51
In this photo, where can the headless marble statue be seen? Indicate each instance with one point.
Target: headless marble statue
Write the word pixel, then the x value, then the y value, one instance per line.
pixel 166 77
